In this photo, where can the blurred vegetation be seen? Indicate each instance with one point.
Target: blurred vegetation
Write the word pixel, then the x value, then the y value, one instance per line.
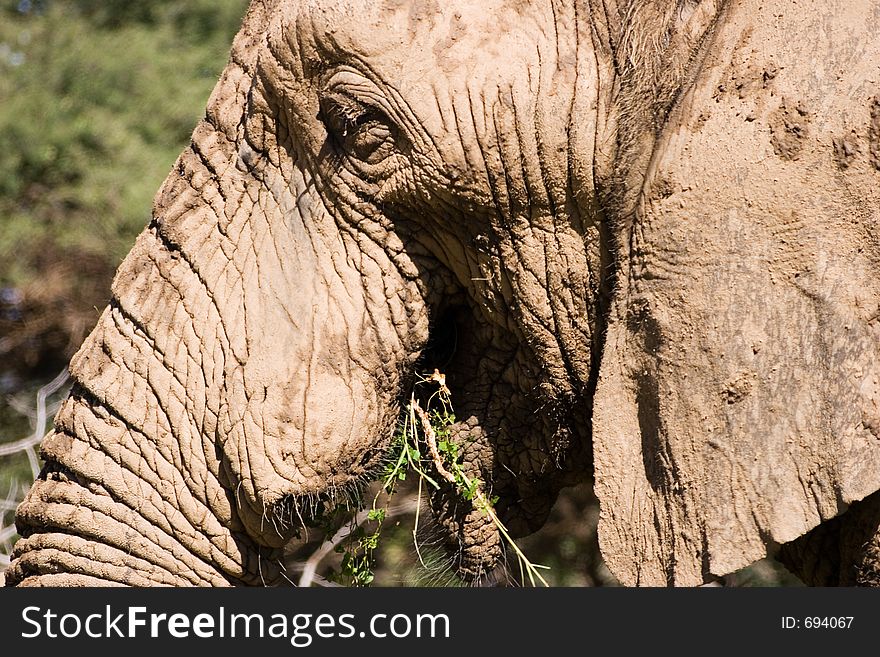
pixel 97 99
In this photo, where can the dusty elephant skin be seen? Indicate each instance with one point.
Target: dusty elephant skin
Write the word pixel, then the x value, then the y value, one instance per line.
pixel 650 226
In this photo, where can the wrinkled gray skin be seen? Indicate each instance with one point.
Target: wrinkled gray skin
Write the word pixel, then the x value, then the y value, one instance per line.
pixel 516 193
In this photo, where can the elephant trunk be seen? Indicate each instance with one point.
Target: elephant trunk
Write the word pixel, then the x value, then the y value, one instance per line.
pixel 133 491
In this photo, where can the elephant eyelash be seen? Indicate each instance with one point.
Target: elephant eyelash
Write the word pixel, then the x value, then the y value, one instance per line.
pixel 358 130
pixel 341 114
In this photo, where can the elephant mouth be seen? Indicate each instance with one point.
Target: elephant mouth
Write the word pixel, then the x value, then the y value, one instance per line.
pixel 291 515
pixel 465 350
pixel 470 539
pixel 449 362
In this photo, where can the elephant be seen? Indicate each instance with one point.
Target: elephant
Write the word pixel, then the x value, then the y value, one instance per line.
pixel 639 238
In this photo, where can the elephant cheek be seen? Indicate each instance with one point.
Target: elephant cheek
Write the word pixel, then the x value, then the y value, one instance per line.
pixel 305 432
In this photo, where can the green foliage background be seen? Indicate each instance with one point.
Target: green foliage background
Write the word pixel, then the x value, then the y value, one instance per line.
pixel 98 99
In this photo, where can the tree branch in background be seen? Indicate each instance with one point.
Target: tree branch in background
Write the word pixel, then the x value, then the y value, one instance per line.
pixel 18 489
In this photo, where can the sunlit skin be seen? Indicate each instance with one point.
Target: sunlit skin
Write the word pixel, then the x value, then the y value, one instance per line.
pixel 572 210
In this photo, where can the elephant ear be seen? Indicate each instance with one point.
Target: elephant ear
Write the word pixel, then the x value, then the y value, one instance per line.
pixel 738 403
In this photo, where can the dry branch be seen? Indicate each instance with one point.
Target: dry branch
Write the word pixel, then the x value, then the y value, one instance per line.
pixel 28 445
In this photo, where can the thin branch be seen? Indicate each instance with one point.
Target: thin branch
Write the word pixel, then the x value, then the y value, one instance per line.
pixel 40 429
pixel 484 503
pixel 27 445
pixel 431 439
pixel 310 566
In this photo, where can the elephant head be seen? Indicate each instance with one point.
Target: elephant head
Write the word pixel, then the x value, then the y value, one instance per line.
pixel 640 230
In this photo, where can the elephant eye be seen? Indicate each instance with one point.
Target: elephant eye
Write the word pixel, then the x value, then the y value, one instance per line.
pixel 359 131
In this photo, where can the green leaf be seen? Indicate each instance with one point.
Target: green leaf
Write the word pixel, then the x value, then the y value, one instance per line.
pixel 370 542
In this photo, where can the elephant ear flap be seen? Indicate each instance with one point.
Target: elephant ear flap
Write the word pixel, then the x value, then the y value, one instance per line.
pixel 738 402
pixel 736 408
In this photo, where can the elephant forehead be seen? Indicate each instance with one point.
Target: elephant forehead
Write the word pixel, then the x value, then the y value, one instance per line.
pixel 404 30
pixel 424 48
pixel 462 77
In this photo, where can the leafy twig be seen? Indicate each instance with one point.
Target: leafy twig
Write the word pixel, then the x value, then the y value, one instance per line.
pixel 471 489
pixel 420 428
pixel 310 566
